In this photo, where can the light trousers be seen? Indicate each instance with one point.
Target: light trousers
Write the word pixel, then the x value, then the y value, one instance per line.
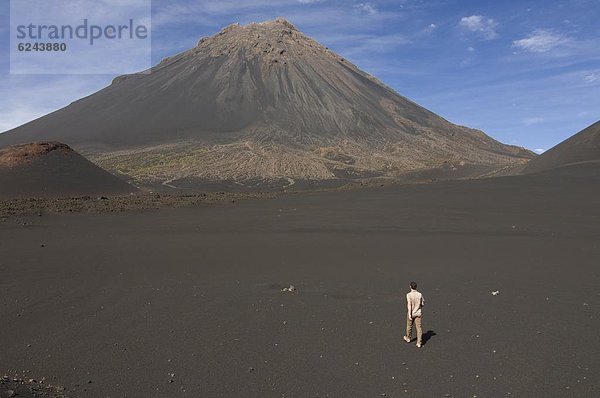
pixel 409 325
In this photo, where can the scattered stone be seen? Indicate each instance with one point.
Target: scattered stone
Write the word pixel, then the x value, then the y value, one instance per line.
pixel 290 289
pixel 10 393
pixel 251 369
pixel 497 292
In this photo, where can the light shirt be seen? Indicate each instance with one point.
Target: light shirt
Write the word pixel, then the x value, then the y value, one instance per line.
pixel 414 302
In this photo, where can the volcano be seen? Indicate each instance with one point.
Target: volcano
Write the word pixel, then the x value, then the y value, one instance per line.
pixel 262 102
pixel 53 169
pixel 582 148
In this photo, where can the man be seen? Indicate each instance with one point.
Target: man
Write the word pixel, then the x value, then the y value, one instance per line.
pixel 414 304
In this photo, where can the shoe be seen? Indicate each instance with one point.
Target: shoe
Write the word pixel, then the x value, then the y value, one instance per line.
pixel 418 345
pixel 406 339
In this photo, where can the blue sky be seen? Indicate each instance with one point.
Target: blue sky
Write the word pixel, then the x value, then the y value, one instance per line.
pixel 525 72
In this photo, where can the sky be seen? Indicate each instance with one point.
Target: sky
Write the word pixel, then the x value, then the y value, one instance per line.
pixel 527 72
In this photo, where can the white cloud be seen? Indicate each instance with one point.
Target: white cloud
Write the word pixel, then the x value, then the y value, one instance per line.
pixel 209 13
pixel 366 8
pixel 482 26
pixel 541 41
pixel 591 77
pixel 359 44
pixel 530 121
pixel 539 151
pixel 432 26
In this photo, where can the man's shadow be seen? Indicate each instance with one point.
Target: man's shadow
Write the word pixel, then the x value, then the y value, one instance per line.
pixel 427 335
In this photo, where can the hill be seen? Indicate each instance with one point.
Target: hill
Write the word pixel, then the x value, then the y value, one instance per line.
pixel 581 148
pixel 52 169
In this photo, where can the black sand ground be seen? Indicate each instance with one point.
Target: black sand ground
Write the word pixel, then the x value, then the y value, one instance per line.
pixel 188 302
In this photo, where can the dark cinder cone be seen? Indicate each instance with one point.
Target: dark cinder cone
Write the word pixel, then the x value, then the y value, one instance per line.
pixel 583 147
pixel 53 169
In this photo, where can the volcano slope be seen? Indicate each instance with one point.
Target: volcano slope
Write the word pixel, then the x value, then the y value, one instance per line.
pixel 261 102
pixel 52 169
pixel 583 147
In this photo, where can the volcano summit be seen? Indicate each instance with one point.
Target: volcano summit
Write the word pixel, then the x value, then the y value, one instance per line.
pixel 261 102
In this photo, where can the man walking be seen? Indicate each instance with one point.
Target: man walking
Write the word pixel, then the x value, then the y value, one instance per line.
pixel 414 304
